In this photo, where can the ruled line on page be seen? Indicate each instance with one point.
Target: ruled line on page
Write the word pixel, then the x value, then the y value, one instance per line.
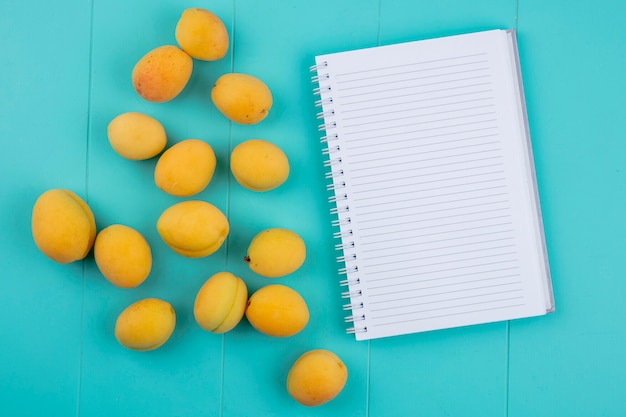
pixel 414 162
pixel 343 96
pixel 358 157
pixel 423 204
pixel 430 174
pixel 419 199
pixel 425 77
pixel 440 180
pixel 396 73
pixel 473 311
pixel 439 68
pixel 386 254
pixel 450 255
pixel 432 159
pixel 465 116
pixel 381 97
pixel 431 276
pixel 407 137
pixel 413 214
pixel 386 279
pixel 490 158
pixel 404 313
pixel 423 152
pixel 346 107
pixel 401 138
pixel 431 106
pixel 403 245
pixel 415 297
pixel 361 139
pixel 416 115
pixel 402 240
pixel 383 196
pixel 369 200
pixel 413 229
pixel 343 74
pixel 451 284
pixel 436 195
pixel 394 268
pixel 413 116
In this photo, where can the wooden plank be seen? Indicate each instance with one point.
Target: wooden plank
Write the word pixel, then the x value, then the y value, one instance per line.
pixel 570 363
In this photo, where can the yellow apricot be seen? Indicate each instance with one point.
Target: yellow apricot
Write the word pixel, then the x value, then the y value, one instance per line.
pixel 277 310
pixel 186 168
pixel 136 136
pixel 242 98
pixel 162 74
pixel 193 228
pixel 145 325
pixel 259 165
pixel 63 226
pixel 202 34
pixel 276 252
pixel 316 377
pixel 220 303
pixel 123 256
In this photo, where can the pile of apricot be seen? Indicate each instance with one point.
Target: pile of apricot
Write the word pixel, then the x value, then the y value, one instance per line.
pixel 64 227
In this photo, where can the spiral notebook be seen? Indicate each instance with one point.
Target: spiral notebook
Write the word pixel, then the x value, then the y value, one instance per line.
pixel 432 184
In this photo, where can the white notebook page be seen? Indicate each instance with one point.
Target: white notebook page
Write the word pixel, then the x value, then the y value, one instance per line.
pixel 434 185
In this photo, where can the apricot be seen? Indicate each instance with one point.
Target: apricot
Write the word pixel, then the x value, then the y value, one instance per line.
pixel 316 377
pixel 63 226
pixel 277 310
pixel 193 228
pixel 145 325
pixel 136 136
pixel 162 74
pixel 276 252
pixel 123 256
pixel 186 168
pixel 259 165
pixel 242 98
pixel 202 34
pixel 220 303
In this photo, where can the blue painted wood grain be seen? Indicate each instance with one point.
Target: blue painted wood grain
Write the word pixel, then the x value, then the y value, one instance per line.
pixel 66 74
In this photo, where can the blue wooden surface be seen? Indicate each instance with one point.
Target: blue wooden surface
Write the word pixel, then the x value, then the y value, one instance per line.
pixel 65 74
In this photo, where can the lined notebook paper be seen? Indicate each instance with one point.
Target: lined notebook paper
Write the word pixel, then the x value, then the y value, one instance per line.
pixel 433 186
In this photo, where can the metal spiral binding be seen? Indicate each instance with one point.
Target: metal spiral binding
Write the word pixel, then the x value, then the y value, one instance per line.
pixel 342 234
pixel 317 67
pixel 353 306
pixel 319 90
pixel 354 329
pixel 336 186
pixel 339 198
pixel 326 139
pixel 348 270
pixel 334 174
pixel 337 210
pixel 323 101
pixel 331 162
pixel 347 258
pixel 336 198
pixel 331 150
pixel 339 222
pixel 325 114
pixel 346 282
pixel 326 126
pixel 351 294
pixel 317 78
pixel 344 246
pixel 353 318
